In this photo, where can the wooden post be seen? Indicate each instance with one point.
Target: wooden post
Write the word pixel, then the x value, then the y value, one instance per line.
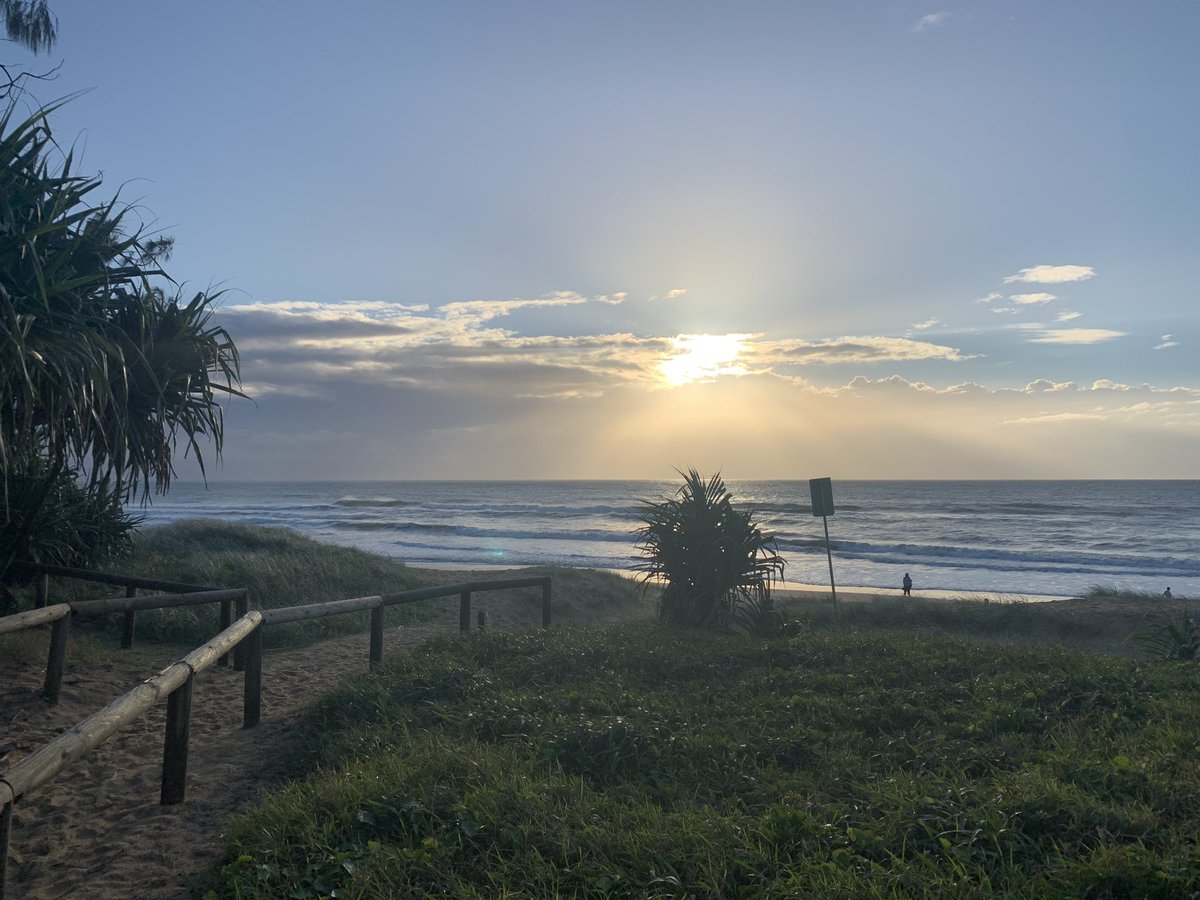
pixel 252 691
pixel 225 622
pixel 130 621
pixel 464 611
pixel 5 830
pixel 43 591
pixel 377 636
pixel 239 652
pixel 175 745
pixel 60 631
pixel 546 604
pixel 481 619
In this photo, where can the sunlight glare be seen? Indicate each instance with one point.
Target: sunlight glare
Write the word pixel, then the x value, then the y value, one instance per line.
pixel 703 357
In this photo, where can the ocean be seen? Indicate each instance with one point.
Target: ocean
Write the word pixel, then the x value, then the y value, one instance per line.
pixel 1007 537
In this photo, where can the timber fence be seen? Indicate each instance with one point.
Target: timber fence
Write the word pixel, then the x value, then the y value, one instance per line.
pixel 243 637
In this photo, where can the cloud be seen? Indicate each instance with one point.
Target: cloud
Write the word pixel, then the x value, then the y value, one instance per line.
pixel 1067 315
pixel 1075 336
pixel 1042 386
pixel 1052 274
pixel 932 20
pixel 988 298
pixel 672 294
pixel 1031 299
pixel 1055 419
pixel 854 350
pixel 1166 343
pixel 928 323
pixel 1010 310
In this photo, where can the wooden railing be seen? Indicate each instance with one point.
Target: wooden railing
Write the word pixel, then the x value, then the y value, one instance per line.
pixel 58 615
pixel 244 637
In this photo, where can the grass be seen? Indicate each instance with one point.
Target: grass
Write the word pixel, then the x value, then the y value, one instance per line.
pixel 280 567
pixel 1008 622
pixel 636 761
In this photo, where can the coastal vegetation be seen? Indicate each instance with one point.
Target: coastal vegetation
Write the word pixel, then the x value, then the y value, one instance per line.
pixel 714 564
pixel 656 761
pixel 107 369
pixel 280 567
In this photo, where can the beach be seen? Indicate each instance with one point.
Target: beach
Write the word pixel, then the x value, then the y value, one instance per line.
pixel 1051 538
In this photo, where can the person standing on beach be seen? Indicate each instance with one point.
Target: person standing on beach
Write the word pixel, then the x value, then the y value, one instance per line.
pixel 907 583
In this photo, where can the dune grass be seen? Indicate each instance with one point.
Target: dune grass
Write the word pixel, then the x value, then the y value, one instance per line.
pixel 640 761
pixel 280 567
pixel 1020 622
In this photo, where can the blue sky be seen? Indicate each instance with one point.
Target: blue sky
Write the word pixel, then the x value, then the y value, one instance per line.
pixel 949 239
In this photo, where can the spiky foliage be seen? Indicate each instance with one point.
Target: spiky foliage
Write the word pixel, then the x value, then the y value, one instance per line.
pixel 711 558
pixel 29 23
pixel 67 526
pixel 102 374
pixel 1174 638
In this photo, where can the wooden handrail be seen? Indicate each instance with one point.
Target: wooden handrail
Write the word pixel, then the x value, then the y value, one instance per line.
pixel 153 584
pixel 284 614
pixel 245 635
pixel 46 762
pixel 156 601
pixel 33 618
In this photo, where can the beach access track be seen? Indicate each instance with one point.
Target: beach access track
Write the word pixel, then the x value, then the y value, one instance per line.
pixel 240 638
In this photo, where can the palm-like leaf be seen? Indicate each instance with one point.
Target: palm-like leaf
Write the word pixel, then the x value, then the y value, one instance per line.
pixel 710 557
pixel 101 374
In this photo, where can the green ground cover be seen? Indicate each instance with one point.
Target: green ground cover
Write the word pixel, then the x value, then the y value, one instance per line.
pixel 280 567
pixel 638 761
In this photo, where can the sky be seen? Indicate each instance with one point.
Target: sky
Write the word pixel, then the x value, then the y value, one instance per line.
pixel 945 239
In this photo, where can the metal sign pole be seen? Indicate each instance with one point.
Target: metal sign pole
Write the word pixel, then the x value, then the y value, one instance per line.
pixel 829 554
pixel 821 490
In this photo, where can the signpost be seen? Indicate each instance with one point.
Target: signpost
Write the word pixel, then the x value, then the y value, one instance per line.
pixel 821 491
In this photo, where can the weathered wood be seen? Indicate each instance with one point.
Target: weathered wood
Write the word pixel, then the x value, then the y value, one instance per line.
pixel 6 809
pixel 60 632
pixel 319 610
pixel 218 648
pixel 225 620
pixel 546 604
pixel 42 598
pixel 130 620
pixel 43 764
pixel 377 636
pixel 242 607
pixel 153 584
pixel 175 744
pixel 154 601
pixel 33 617
pixel 252 687
pixel 464 611
pixel 447 590
pixel 481 619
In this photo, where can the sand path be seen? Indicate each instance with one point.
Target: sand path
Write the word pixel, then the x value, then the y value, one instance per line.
pixel 97 830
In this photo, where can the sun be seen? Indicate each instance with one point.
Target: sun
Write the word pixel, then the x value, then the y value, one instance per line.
pixel 703 357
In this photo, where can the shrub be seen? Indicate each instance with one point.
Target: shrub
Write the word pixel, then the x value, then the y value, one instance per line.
pixel 712 559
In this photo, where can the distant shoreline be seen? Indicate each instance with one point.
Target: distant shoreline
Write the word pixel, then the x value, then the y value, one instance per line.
pixel 799 590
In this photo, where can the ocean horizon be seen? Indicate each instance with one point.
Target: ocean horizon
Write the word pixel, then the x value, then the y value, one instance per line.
pixel 1056 537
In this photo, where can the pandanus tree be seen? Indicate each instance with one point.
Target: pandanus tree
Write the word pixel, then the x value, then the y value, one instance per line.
pixel 712 561
pixel 104 374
